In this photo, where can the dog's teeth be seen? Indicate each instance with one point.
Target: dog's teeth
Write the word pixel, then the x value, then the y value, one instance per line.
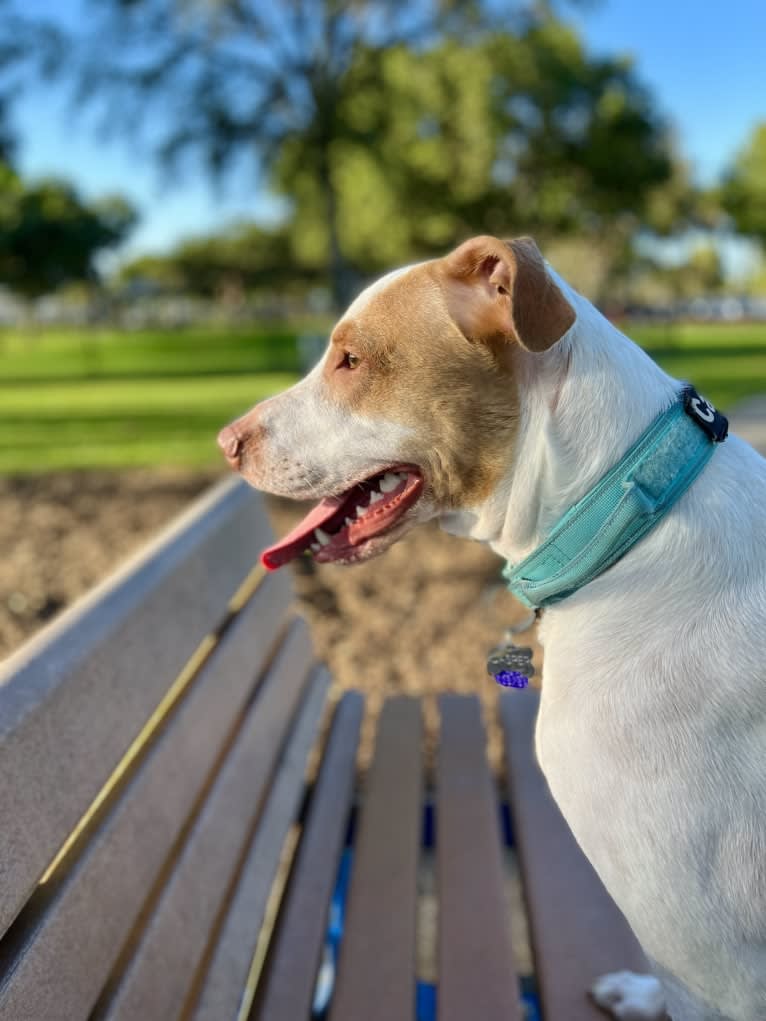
pixel 349 521
pixel 402 476
pixel 374 497
pixel 322 537
pixel 315 547
pixel 360 512
pixel 389 482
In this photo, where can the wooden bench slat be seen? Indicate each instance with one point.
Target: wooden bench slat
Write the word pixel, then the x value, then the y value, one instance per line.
pixel 156 980
pixel 73 699
pixel 477 978
pixel 376 973
pixel 226 976
pixel 73 929
pixel 300 935
pixel 577 931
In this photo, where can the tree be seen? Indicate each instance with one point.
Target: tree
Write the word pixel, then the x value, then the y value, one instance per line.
pixel 231 81
pixel 393 128
pixel 242 258
pixel 743 191
pixel 510 132
pixel 49 236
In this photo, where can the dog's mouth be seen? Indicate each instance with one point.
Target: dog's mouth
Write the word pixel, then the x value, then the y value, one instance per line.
pixel 345 528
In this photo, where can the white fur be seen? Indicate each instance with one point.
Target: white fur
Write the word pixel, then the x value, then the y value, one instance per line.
pixel 652 728
pixel 630 997
pixel 316 446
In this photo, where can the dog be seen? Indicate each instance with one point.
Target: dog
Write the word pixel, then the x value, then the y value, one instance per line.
pixel 481 390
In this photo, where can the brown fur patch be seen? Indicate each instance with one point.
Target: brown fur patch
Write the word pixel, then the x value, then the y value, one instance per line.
pixel 501 289
pixel 418 368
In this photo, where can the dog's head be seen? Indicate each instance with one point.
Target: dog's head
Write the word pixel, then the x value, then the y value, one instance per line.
pixel 413 411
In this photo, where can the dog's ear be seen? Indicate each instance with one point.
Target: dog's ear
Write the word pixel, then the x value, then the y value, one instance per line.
pixel 501 289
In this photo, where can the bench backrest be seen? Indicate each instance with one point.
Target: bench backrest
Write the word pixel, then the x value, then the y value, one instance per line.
pixel 144 736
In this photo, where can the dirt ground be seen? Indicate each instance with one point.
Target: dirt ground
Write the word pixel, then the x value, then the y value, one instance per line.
pixel 61 533
pixel 418 620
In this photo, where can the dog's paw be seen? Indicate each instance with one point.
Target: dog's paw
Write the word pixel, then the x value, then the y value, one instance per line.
pixel 630 997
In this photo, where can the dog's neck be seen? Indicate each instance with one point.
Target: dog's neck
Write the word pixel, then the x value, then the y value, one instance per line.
pixel 583 403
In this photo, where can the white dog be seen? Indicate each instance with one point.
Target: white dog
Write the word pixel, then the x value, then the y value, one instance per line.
pixel 481 390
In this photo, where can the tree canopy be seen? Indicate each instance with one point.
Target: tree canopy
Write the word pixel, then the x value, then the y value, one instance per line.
pixel 393 128
pixel 242 258
pixel 512 133
pixel 743 192
pixel 50 236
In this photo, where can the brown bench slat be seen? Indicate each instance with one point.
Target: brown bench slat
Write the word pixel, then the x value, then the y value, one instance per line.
pixel 577 931
pixel 376 973
pixel 156 979
pixel 66 942
pixel 297 948
pixel 73 699
pixel 477 978
pixel 232 957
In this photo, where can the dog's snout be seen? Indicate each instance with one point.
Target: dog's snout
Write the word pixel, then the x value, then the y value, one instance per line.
pixel 231 445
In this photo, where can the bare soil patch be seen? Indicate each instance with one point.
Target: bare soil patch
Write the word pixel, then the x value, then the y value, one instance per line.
pixel 63 532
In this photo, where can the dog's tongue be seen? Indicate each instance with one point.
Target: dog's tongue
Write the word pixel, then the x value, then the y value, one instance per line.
pixel 296 541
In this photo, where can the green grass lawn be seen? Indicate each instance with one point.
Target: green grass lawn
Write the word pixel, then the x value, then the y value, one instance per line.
pixel 726 362
pixel 111 399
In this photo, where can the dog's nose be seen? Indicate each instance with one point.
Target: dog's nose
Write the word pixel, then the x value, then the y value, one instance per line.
pixel 230 444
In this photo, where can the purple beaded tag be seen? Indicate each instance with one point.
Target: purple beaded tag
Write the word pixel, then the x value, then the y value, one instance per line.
pixel 510 665
pixel 511 679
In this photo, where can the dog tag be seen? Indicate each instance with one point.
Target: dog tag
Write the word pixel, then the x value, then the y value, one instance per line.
pixel 510 665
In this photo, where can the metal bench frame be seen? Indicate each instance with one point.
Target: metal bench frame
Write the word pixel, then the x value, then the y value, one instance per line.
pixel 164 855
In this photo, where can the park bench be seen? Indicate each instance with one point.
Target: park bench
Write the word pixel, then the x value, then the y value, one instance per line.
pixel 184 834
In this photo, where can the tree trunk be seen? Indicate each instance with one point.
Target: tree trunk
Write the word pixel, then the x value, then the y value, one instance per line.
pixel 342 276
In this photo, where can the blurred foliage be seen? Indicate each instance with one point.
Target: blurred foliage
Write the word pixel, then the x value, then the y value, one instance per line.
pixel 655 283
pixel 677 203
pixel 49 235
pixel 618 276
pixel 7 142
pixel 743 192
pixel 394 128
pixel 514 133
pixel 242 259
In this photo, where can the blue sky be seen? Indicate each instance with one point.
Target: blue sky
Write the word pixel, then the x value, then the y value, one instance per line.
pixel 704 61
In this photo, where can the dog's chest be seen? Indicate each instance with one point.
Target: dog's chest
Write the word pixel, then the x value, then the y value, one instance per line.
pixel 616 818
pixel 661 841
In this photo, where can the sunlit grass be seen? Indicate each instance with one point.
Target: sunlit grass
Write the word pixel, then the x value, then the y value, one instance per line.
pixel 107 354
pixel 725 361
pixel 109 399
pixel 114 423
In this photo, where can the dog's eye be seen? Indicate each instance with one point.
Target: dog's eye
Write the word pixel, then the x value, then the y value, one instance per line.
pixel 350 361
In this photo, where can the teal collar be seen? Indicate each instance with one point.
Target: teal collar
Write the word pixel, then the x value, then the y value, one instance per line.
pixel 627 503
